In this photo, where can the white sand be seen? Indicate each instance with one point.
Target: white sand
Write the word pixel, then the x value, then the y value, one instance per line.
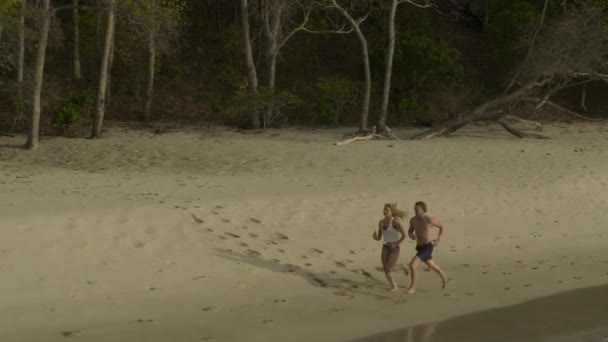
pixel 126 238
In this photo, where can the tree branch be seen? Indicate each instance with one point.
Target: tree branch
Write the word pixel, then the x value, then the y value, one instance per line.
pixel 540 25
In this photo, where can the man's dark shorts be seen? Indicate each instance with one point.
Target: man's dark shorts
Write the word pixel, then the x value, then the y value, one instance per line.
pixel 425 252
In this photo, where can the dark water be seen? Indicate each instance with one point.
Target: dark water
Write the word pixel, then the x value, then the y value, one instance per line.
pixel 580 315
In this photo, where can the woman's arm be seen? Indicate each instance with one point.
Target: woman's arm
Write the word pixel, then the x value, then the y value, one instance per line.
pixel 378 234
pixel 397 225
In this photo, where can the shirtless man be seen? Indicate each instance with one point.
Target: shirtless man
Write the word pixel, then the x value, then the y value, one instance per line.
pixel 420 226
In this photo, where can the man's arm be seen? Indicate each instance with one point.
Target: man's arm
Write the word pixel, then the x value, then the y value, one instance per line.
pixel 410 232
pixel 436 223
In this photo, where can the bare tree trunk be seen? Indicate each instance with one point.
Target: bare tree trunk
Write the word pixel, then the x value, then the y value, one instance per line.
pixel 368 81
pixel 584 98
pixel 251 71
pixel 98 17
pixel 75 19
pixel 388 72
pixel 151 68
pixel 103 74
pixel 109 81
pixel 21 30
pixel 34 129
pixel 366 68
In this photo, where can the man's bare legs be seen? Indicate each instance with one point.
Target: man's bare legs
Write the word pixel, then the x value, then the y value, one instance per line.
pixel 389 259
pixel 413 265
pixel 433 266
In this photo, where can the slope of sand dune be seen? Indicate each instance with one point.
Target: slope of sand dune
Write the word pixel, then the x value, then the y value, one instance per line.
pixel 211 235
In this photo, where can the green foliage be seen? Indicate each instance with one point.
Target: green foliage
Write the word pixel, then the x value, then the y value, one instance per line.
pixel 264 98
pixel 70 109
pixel 426 62
pixel 509 21
pixel 336 92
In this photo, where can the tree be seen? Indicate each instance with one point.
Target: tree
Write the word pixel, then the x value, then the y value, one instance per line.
pixel 252 75
pixel 355 25
pixel 570 51
pixel 21 31
pixel 34 127
pixel 279 28
pixel 76 47
pixel 157 23
pixel 103 73
pixel 390 52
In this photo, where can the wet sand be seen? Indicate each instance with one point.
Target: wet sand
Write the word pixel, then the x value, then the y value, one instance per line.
pixel 579 315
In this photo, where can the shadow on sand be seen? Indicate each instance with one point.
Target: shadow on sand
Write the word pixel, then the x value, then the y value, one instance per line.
pixel 368 285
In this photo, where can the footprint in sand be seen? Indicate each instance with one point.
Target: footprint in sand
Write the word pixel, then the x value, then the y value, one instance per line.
pixel 197 219
pixel 507 288
pixel 144 321
pixel 210 230
pixel 199 277
pixel 291 268
pixel 236 236
pixel 138 244
pixel 281 236
pixel 280 300
pixel 207 338
pixel 280 250
pixel 527 285
pixel 270 242
pixel 212 308
pixel 255 220
pixel 244 244
pixel 266 321
pixel 253 253
pixel 308 264
pixel 316 250
pixel 577 277
pixel 339 264
pixel 253 235
pixel 319 282
pixel 70 333
pixel 226 220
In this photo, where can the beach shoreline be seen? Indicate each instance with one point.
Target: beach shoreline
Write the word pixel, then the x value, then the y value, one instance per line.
pixel 221 236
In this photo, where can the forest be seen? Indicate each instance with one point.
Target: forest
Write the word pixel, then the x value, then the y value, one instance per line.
pixel 73 67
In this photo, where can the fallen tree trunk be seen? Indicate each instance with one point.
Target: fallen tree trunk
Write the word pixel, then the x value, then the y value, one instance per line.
pixel 483 112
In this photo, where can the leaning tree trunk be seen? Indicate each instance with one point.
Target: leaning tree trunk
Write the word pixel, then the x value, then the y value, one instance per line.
pixel 75 19
pixel 21 34
pixel 251 71
pixel 34 129
pixel 486 112
pixel 388 72
pixel 366 68
pixel 103 74
pixel 151 68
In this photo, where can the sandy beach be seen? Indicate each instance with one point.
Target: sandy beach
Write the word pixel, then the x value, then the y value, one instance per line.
pixel 214 235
